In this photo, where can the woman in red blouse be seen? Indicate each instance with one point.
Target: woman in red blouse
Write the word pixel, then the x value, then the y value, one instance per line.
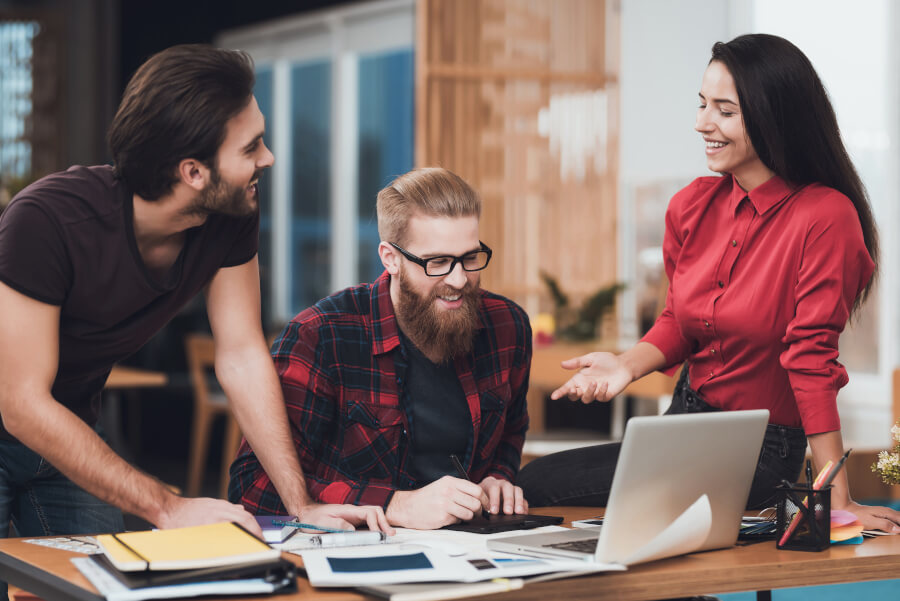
pixel 766 264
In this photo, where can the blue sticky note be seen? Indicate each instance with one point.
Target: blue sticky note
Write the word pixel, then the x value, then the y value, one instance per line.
pixel 856 540
pixel 387 563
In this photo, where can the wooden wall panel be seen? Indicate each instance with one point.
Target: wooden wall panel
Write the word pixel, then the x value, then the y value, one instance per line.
pixel 486 69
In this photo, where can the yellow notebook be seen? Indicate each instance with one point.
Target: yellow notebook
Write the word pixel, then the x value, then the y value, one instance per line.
pixel 185 548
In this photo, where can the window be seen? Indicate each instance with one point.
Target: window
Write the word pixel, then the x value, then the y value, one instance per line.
pixel 336 88
pixel 16 52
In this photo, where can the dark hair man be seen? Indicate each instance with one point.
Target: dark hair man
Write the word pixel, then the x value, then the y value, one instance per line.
pixel 385 381
pixel 95 260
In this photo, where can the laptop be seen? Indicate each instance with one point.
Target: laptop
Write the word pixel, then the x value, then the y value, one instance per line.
pixel 681 485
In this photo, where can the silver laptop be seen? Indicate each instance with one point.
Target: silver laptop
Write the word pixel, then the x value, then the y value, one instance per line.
pixel 666 466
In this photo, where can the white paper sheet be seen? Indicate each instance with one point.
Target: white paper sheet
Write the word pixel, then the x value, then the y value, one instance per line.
pixel 443 567
pixel 113 590
pixel 685 535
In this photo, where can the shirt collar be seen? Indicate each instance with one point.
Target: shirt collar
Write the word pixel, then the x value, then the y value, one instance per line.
pixel 764 196
pixel 385 331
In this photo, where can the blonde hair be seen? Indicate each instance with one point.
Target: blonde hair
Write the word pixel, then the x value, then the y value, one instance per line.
pixel 430 191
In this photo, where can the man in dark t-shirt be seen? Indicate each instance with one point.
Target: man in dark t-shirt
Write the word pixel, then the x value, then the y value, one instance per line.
pixel 95 260
pixel 384 382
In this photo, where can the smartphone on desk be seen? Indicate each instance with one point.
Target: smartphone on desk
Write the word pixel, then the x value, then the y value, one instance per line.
pixel 588 523
pixel 501 522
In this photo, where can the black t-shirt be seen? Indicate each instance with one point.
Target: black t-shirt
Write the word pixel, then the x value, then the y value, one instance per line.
pixel 68 240
pixel 440 421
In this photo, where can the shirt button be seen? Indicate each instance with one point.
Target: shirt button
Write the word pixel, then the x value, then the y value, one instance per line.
pixel 721 284
pixel 734 242
pixel 712 351
pixel 710 374
pixel 706 323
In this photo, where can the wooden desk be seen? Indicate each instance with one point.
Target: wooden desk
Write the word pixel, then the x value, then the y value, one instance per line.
pixel 122 377
pixel 49 574
pixel 547 376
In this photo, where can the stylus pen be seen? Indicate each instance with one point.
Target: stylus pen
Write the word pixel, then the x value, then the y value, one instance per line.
pixel 834 471
pixel 461 471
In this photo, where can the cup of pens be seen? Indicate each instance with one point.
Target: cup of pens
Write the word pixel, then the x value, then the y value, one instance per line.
pixel 804 512
pixel 803 521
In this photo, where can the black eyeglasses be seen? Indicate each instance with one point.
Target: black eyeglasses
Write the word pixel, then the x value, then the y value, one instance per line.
pixel 444 264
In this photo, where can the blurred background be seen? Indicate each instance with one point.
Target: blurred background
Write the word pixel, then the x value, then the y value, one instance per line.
pixel 573 118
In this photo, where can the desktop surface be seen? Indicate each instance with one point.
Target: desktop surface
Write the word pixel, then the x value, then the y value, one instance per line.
pixel 760 566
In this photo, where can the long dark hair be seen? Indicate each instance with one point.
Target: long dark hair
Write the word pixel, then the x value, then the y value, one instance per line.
pixel 175 107
pixel 791 124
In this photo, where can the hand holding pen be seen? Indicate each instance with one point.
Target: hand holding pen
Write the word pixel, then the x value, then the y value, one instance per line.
pixel 497 490
pixel 461 472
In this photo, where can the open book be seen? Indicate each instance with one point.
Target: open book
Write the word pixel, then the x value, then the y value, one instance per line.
pixel 193 547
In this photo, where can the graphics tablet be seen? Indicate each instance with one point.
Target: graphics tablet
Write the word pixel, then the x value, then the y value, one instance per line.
pixel 502 522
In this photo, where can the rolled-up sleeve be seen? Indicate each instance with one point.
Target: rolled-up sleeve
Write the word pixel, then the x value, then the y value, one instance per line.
pixel 834 269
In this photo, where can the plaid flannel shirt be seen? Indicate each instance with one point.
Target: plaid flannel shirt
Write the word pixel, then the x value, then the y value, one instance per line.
pixel 342 369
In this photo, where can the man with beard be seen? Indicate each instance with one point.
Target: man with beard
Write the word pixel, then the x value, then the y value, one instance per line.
pixel 95 260
pixel 384 382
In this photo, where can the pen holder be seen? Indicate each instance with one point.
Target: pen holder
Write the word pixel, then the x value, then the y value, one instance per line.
pixel 803 518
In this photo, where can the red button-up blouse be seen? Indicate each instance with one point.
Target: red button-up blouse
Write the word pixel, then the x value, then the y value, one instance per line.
pixel 761 286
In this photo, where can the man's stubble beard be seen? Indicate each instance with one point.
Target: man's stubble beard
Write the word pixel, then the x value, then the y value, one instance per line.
pixel 440 334
pixel 221 198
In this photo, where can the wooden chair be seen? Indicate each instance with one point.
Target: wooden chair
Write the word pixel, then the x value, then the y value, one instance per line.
pixel 209 402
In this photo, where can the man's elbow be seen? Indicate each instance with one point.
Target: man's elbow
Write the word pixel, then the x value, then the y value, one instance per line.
pixel 17 409
pixel 11 414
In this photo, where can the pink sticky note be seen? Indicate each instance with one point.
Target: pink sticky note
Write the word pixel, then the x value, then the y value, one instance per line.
pixel 839 518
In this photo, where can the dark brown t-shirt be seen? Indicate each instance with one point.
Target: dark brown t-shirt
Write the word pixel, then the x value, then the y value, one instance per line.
pixel 68 240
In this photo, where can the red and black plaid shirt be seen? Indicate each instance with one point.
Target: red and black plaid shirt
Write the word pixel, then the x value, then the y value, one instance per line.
pixel 342 369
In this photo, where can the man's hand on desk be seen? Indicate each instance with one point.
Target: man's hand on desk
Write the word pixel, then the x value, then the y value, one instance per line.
pixel 194 512
pixel 600 377
pixel 345 517
pixel 444 501
pixel 503 493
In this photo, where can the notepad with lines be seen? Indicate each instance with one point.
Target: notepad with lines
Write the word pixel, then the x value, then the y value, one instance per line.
pixel 185 548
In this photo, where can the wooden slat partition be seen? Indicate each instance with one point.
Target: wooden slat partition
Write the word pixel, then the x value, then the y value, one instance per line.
pixel 484 71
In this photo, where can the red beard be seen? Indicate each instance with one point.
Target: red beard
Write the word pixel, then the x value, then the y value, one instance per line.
pixel 440 334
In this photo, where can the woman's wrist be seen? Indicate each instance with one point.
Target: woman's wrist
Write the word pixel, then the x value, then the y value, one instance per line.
pixel 641 359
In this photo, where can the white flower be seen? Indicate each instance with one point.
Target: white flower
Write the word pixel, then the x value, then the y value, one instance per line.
pixel 888 460
pixel 895 432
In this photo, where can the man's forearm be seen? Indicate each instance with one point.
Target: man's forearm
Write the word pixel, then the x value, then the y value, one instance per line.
pixel 71 446
pixel 251 384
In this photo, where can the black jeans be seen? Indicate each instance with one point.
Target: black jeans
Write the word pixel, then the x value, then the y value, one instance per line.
pixel 584 476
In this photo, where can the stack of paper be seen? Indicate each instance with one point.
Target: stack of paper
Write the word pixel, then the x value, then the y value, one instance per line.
pixel 433 556
pixel 221 559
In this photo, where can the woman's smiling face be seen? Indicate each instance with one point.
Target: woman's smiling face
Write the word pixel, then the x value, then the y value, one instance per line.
pixel 720 122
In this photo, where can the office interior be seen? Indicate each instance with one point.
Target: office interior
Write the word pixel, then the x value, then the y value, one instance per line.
pixel 572 118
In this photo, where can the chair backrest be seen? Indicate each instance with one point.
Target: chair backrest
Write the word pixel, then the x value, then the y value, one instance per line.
pixel 201 357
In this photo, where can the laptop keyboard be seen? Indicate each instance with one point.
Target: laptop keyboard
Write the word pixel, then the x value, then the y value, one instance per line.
pixel 588 545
